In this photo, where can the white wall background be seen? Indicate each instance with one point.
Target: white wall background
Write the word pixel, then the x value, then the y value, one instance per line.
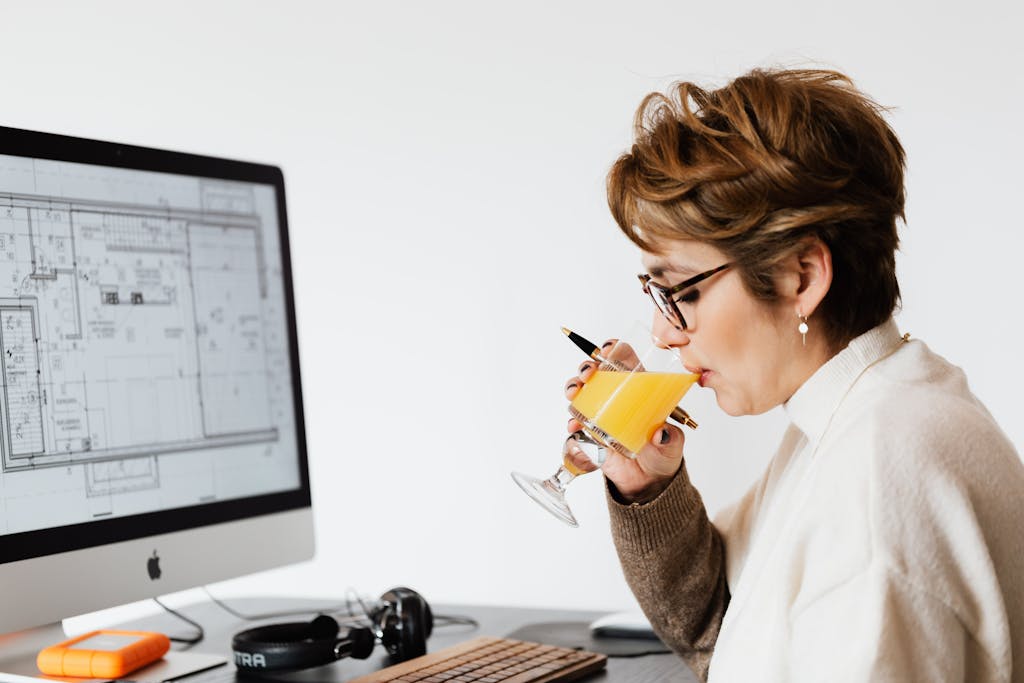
pixel 445 163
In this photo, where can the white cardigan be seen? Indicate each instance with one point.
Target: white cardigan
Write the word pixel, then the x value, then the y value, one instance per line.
pixel 885 541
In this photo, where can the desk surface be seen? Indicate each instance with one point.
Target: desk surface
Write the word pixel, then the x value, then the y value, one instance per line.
pixel 494 621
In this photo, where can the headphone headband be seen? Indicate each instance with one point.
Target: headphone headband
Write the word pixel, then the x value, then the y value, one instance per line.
pixel 298 645
pixel 403 622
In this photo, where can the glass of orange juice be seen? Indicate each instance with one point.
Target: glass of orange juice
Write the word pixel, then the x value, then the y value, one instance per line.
pixel 638 383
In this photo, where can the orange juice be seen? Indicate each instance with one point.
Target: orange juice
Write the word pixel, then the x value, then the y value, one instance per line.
pixel 629 406
pixel 569 465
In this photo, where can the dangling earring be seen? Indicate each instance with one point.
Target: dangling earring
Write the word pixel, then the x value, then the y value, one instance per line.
pixel 802 327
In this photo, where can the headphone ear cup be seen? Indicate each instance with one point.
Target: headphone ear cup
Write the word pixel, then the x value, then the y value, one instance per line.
pixel 323 627
pixel 405 622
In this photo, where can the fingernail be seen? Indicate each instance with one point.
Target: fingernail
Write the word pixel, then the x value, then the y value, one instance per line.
pixel 665 436
pixel 571 385
pixel 584 367
pixel 607 344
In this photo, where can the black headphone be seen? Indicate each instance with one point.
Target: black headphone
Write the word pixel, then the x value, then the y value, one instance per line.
pixel 402 622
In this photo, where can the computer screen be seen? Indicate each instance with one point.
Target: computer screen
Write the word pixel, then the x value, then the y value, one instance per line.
pixel 151 429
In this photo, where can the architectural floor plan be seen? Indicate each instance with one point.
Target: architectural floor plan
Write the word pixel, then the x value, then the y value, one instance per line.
pixel 136 327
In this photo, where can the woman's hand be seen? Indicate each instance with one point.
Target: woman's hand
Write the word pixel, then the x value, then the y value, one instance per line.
pixel 637 480
pixel 642 479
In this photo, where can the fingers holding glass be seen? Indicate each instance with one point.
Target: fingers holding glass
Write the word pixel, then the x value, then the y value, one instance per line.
pixel 621 354
pixel 619 398
pixel 581 455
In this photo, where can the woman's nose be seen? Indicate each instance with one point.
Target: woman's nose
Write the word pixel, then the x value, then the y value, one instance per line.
pixel 667 335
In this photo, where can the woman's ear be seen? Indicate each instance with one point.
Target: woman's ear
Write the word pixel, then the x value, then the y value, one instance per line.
pixel 814 270
pixel 807 277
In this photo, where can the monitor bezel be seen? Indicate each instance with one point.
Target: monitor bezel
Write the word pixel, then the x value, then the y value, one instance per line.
pixel 54 147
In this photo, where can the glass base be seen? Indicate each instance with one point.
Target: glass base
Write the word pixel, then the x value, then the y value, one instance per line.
pixel 548 495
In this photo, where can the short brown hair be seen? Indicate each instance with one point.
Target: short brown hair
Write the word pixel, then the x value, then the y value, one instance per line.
pixel 760 165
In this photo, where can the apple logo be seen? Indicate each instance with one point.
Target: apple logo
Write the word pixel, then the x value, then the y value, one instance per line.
pixel 153 566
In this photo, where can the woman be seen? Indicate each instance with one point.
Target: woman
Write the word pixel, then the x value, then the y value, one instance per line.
pixel 885 540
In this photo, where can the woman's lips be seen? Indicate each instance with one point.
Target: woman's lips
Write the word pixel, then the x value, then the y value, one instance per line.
pixel 703 372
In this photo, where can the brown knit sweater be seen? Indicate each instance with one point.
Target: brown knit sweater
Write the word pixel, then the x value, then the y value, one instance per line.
pixel 674 562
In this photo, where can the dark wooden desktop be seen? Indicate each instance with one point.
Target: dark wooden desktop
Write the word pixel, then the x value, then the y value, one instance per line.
pixel 493 621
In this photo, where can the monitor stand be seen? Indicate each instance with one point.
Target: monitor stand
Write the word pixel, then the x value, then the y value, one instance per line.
pixel 18 652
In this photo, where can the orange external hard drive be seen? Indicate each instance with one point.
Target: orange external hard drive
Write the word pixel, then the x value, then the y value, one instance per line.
pixel 103 654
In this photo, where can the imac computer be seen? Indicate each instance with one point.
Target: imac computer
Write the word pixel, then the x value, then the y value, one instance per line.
pixel 151 426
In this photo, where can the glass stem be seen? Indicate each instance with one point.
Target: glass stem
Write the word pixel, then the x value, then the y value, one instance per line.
pixel 560 479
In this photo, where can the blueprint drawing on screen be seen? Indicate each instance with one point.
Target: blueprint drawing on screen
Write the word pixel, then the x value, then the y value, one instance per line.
pixel 143 343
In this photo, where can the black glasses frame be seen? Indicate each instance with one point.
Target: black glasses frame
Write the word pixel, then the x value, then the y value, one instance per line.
pixel 664 300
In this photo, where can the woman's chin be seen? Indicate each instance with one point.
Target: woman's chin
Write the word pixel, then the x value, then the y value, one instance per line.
pixel 733 412
pixel 731 406
pixel 739 409
pixel 724 403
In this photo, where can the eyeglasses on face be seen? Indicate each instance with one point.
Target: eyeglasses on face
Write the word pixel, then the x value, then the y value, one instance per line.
pixel 664 298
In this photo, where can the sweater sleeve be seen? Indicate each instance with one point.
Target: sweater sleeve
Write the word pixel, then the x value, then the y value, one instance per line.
pixel 674 561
